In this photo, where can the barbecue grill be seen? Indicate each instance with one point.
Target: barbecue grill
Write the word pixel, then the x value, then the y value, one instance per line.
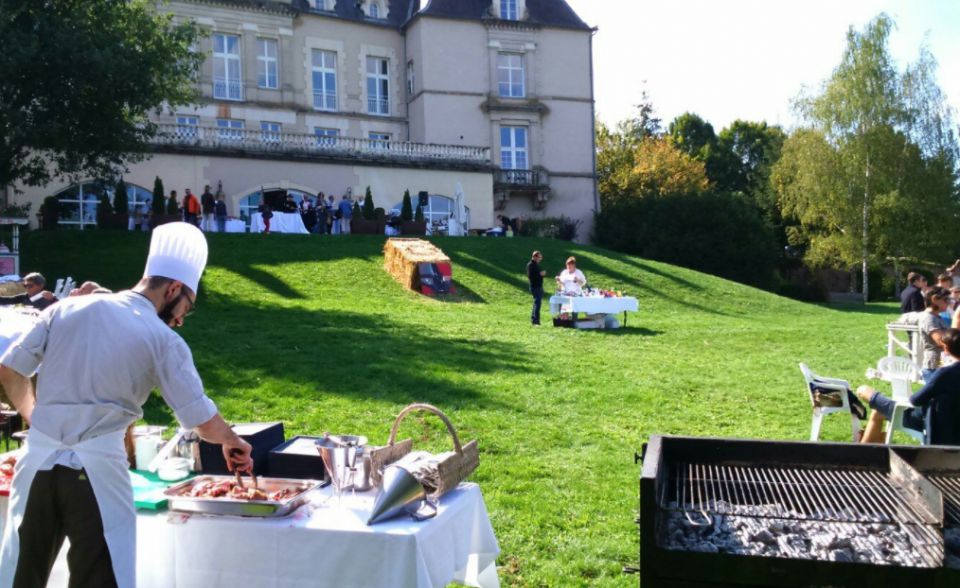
pixel 720 512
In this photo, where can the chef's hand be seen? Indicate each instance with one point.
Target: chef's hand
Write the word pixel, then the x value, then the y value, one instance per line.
pixel 237 454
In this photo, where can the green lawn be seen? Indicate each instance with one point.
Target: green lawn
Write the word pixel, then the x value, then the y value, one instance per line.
pixel 312 331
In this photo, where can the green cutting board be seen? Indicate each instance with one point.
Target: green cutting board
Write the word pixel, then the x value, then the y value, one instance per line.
pixel 148 490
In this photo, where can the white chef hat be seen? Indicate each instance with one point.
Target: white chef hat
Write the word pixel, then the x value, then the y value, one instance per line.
pixel 177 251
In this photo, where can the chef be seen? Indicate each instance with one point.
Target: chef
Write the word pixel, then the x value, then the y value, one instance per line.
pixel 99 358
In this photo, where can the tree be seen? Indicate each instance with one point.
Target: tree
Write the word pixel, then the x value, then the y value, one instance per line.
pixel 120 204
pixel 369 211
pixel 858 175
pixel 418 217
pixel 656 169
pixel 406 209
pixel 157 202
pixel 78 79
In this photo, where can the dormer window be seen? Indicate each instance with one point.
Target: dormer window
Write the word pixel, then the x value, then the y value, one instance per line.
pixel 509 9
pixel 325 4
pixel 376 9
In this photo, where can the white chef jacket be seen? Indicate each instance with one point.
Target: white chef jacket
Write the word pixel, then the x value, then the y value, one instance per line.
pixel 99 357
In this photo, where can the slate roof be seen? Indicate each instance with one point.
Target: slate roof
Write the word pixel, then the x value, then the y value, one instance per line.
pixel 543 12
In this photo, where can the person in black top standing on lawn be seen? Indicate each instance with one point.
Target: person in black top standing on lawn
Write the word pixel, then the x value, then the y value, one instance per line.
pixel 535 275
pixel 911 299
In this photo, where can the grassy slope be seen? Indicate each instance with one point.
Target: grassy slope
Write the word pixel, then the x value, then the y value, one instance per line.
pixel 312 331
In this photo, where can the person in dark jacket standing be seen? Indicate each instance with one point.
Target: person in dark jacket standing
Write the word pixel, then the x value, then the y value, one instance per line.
pixel 208 205
pixel 535 276
pixel 911 299
pixel 220 213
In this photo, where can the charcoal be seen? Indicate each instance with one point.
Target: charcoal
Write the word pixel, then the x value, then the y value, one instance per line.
pixel 774 531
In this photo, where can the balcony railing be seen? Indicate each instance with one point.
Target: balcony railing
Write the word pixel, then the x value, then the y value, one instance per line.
pixel 523 178
pixel 224 89
pixel 258 141
pixel 378 106
pixel 324 101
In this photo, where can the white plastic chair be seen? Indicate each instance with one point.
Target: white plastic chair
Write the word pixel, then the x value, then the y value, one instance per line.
pixel 901 373
pixel 830 384
pixel 64 287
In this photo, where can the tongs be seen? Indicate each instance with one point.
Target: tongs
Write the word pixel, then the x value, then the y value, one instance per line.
pixel 236 471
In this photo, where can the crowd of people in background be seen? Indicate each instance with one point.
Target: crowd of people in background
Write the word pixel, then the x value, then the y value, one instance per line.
pixel 934 409
pixel 322 215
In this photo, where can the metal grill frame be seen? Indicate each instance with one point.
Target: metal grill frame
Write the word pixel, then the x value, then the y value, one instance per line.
pixel 675 569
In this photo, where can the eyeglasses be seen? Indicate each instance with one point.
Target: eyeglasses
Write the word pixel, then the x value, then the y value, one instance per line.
pixel 192 304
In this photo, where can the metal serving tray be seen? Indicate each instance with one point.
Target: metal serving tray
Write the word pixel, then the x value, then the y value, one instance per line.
pixel 241 508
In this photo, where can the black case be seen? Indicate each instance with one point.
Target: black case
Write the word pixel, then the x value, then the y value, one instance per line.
pixel 301 465
pixel 262 436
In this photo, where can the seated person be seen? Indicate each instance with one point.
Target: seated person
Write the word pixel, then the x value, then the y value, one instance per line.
pixel 571 280
pixel 929 320
pixel 35 296
pixel 936 407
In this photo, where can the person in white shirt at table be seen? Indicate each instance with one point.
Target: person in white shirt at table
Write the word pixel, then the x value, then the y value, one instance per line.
pixel 571 280
pixel 99 357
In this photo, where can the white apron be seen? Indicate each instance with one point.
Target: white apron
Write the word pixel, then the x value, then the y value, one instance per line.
pixel 105 461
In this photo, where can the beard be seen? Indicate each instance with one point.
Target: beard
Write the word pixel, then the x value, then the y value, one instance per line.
pixel 166 313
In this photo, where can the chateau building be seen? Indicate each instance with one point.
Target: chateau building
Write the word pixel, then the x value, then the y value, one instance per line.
pixel 335 96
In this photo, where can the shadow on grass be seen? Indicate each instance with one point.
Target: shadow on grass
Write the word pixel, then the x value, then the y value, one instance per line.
pixel 306 356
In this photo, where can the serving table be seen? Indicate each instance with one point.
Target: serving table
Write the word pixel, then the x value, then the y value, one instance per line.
pixel 595 305
pixel 281 222
pixel 326 543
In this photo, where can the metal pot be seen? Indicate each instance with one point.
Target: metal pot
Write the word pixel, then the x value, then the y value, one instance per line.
pixel 346 460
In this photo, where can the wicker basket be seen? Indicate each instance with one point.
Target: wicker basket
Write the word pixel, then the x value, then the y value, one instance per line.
pixel 453 467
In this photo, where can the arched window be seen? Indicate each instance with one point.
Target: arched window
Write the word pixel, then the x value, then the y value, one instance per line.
pixel 79 202
pixel 374 10
pixel 251 202
pixel 437 213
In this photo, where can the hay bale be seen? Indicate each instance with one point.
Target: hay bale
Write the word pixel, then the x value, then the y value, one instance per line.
pixel 402 258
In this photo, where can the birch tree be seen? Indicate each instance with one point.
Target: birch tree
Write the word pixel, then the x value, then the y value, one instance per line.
pixel 858 175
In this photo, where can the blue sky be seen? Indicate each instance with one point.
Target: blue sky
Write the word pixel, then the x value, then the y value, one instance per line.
pixel 729 59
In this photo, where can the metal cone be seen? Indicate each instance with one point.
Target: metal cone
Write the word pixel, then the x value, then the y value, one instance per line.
pixel 399 494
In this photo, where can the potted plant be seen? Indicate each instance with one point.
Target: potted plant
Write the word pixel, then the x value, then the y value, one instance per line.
pixel 418 226
pixel 364 220
pixel 158 206
pixel 49 213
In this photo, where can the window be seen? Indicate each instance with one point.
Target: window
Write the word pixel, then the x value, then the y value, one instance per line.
pixel 187 127
pixel 326 137
pixel 510 75
pixel 437 212
pixel 374 10
pixel 229 129
pixel 79 202
pixel 508 9
pixel 411 85
pixel 378 86
pixel 324 4
pixel 270 132
pixel 324 80
pixel 513 148
pixel 379 140
pixel 267 71
pixel 227 84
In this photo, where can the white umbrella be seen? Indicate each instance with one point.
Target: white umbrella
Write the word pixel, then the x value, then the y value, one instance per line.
pixel 459 218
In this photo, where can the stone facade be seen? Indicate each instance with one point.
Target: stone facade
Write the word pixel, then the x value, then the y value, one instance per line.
pixel 335 95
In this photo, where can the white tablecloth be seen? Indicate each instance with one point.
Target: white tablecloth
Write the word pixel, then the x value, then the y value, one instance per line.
pixel 592 304
pixel 235 225
pixel 282 222
pixel 320 545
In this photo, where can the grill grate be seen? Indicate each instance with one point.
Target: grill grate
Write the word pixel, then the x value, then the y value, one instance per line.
pixel 949 485
pixel 826 495
pixel 860 502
